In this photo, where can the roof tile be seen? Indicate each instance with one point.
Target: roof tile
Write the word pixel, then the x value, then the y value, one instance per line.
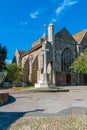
pixel 78 37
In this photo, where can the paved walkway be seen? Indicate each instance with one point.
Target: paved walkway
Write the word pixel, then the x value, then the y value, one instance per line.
pixel 43 104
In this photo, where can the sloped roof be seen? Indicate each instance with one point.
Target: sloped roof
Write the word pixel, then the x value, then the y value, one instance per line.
pixel 63 32
pixel 34 48
pixel 79 36
pixel 21 52
pixel 65 36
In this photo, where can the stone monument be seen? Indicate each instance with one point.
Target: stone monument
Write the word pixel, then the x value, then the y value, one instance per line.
pixel 44 82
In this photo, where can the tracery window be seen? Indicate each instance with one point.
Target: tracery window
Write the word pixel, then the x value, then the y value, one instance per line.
pixel 66 60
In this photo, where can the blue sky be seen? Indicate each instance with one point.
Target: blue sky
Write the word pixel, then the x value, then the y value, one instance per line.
pixel 21 21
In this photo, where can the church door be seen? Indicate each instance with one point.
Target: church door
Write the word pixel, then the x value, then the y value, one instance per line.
pixel 68 79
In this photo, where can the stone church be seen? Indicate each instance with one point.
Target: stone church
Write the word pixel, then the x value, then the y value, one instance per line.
pixel 48 61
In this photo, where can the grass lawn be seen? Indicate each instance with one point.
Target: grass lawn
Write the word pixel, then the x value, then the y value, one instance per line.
pixel 33 89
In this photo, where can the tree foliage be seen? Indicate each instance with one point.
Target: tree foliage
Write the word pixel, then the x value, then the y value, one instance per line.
pixel 14 73
pixel 3 55
pixel 80 64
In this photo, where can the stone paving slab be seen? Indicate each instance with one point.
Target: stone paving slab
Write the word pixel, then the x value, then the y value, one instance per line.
pixel 78 111
pixel 44 104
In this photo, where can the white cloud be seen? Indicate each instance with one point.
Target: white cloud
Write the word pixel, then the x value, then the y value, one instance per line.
pixel 34 14
pixel 60 8
pixel 71 3
pixel 53 20
pixel 64 5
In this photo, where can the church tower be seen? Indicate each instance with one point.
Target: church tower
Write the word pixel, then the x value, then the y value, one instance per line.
pixel 51 33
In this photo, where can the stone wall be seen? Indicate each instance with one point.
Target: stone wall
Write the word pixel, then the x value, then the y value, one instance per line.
pixel 63 40
pixel 18 58
pixel 61 78
pixel 84 42
pixel 82 79
pixel 31 63
pixel 60 46
pixel 37 42
pixel 25 69
pixel 3 97
pixel 34 70
pixel 35 65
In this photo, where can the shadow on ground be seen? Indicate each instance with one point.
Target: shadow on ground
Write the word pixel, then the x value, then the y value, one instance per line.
pixel 7 118
pixel 10 100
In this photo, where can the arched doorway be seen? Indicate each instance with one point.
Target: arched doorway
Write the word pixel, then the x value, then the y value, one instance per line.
pixel 68 79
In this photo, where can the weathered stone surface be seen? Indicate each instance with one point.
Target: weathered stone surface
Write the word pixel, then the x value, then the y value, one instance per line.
pixel 4 97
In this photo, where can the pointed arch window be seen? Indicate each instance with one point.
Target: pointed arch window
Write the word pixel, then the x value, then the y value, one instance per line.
pixel 66 60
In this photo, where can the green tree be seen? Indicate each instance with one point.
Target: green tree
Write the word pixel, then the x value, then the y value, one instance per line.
pixel 80 64
pixel 3 55
pixel 14 73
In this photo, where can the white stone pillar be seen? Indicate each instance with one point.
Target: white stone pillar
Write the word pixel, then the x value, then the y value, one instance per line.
pixel 77 50
pixel 51 38
pixel 51 33
pixel 45 63
pixel 77 75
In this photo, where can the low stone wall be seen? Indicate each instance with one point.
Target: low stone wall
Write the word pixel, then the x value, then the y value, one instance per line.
pixel 4 97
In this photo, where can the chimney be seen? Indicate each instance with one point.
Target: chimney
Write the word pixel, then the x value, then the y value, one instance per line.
pixel 51 33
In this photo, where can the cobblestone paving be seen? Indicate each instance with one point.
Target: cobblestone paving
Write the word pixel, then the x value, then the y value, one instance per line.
pixel 70 122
